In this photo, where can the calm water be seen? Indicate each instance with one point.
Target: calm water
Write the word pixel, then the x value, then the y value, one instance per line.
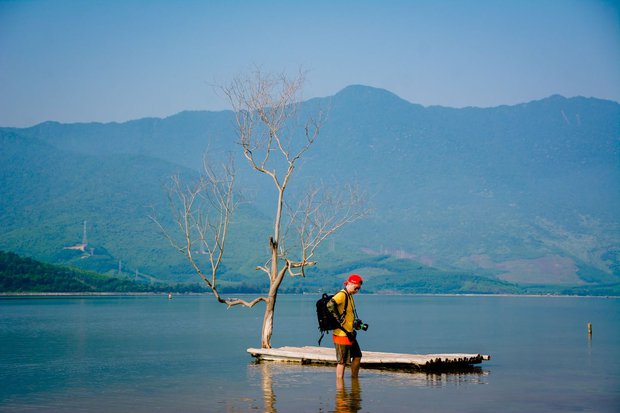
pixel 145 354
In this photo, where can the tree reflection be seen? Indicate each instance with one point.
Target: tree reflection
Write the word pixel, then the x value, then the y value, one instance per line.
pixel 269 396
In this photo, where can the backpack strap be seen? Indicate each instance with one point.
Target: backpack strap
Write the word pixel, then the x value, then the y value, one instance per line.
pixel 321 338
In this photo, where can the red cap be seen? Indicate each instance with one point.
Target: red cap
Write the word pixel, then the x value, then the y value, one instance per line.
pixel 354 279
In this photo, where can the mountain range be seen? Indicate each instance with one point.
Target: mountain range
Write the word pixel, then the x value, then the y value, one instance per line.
pixel 508 197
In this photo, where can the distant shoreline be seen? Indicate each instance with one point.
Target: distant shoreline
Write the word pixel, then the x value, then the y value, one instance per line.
pixel 129 294
pixel 70 294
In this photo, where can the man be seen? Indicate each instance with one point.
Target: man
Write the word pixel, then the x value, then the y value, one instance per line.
pixel 342 306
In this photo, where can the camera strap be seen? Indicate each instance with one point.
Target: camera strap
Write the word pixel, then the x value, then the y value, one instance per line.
pixel 352 335
pixel 345 307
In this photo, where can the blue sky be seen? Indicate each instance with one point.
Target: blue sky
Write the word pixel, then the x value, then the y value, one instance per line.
pixel 90 60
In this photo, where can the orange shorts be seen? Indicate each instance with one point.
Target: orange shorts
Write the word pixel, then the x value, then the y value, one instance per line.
pixel 342 340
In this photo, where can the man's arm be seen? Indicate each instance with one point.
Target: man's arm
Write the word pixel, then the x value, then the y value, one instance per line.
pixel 332 306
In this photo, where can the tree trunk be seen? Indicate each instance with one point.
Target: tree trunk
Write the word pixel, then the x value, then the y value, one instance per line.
pixel 275 277
pixel 268 321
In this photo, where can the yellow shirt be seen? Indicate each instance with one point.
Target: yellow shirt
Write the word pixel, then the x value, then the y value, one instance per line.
pixel 339 298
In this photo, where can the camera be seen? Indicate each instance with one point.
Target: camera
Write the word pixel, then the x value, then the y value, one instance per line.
pixel 359 325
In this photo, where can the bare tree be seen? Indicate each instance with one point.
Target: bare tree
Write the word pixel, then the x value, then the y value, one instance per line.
pixel 273 140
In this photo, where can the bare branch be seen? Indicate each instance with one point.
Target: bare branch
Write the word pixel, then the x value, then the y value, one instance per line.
pixel 237 301
pixel 319 215
pixel 202 213
pixel 266 106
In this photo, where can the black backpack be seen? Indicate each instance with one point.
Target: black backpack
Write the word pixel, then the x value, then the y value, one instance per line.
pixel 327 321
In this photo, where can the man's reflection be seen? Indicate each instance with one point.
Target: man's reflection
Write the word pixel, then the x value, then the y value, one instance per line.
pixel 348 395
pixel 348 399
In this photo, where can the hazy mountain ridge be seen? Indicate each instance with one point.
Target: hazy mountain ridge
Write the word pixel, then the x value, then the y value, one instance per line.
pixel 159 138
pixel 516 191
pixel 482 180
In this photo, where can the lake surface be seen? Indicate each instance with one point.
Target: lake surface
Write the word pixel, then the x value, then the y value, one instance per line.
pixel 188 354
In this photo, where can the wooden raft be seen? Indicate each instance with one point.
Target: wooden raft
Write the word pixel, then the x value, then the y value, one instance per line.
pixel 372 359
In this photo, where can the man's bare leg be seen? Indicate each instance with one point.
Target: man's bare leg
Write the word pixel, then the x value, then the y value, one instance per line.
pixel 340 371
pixel 355 367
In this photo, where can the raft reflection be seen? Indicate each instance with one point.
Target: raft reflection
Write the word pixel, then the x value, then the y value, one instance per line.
pixel 294 387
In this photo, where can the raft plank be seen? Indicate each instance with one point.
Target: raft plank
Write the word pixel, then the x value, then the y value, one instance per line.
pixel 325 355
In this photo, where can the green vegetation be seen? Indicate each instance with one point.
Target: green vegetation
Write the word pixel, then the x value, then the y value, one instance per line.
pixel 25 275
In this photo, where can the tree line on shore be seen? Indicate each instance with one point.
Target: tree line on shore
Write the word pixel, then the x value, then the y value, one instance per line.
pixel 20 275
pixel 26 275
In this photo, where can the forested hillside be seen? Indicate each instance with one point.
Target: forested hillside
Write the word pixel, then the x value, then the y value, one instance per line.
pixel 513 197
pixel 21 275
